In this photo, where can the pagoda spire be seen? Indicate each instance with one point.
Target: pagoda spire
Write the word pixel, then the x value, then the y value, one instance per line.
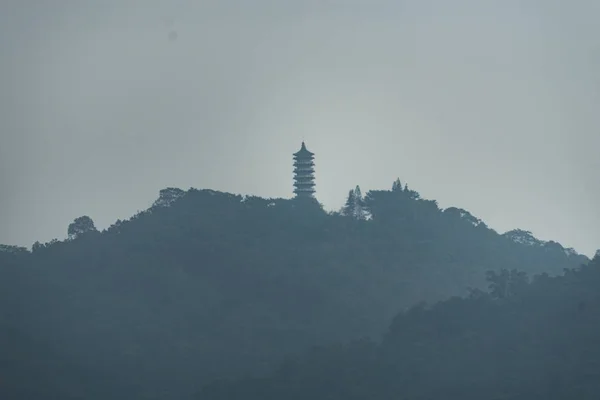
pixel 304 173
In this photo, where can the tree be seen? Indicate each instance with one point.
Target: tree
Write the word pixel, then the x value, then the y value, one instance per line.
pixel 461 214
pixel 412 194
pixel 397 186
pixel 507 283
pixel 37 246
pixel 168 196
pixel 348 208
pixel 523 237
pixel 80 226
pixel 355 206
pixel 4 248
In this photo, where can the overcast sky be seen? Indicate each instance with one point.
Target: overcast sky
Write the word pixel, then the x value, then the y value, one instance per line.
pixel 491 106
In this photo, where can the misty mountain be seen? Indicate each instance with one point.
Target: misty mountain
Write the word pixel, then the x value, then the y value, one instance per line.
pixel 206 285
pixel 541 342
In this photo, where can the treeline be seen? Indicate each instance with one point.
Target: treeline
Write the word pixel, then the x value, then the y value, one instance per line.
pixel 519 340
pixel 206 285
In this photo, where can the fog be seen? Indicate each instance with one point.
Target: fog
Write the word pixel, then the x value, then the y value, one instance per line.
pixel 489 107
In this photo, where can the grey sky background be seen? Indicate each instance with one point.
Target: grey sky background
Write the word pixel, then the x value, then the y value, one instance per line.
pixel 491 106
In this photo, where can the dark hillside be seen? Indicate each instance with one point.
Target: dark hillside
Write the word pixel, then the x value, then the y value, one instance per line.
pixel 207 284
pixel 540 342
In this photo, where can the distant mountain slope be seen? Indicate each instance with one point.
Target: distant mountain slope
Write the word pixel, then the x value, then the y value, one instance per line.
pixel 207 284
pixel 540 342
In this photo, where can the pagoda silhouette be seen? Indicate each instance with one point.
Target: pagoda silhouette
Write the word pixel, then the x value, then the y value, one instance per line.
pixel 304 173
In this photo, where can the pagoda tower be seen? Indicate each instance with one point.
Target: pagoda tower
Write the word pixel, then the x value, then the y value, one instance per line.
pixel 304 173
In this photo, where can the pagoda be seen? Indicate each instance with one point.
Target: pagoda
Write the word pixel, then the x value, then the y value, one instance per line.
pixel 304 173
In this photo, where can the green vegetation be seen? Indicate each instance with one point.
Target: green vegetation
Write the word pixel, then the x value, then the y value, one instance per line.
pixel 540 342
pixel 207 285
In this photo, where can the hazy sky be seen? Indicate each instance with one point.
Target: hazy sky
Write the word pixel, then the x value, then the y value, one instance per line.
pixel 491 106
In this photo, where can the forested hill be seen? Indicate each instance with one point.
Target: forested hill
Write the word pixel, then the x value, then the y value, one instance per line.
pixel 538 340
pixel 207 284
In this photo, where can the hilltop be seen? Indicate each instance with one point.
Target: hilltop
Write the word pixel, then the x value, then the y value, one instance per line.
pixel 206 284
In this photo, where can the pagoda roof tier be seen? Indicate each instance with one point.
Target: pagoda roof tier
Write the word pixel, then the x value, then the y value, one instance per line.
pixel 303 152
pixel 304 184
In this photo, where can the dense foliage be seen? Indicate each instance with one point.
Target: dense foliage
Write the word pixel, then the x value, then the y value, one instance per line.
pixel 541 342
pixel 207 285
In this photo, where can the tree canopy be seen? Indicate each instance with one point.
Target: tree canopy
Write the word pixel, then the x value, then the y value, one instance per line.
pixel 542 342
pixel 206 285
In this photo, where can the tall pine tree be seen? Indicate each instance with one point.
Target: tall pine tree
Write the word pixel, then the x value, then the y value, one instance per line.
pixel 355 206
